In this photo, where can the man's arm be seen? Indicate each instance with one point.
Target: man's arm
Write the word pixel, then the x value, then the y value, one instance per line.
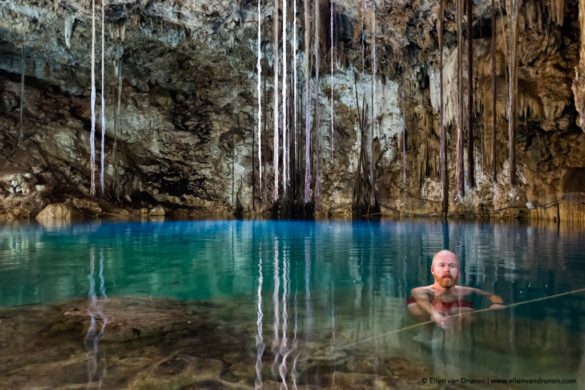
pixel 496 301
pixel 421 297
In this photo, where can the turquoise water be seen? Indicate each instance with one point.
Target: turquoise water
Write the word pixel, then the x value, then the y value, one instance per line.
pixel 334 283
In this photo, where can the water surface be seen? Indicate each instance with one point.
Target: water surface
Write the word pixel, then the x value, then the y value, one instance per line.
pixel 313 300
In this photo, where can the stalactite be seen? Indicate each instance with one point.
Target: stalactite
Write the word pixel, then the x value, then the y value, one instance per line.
pixel 373 119
pixel 443 139
pixel 307 12
pixel 362 35
pixel 263 191
pixel 292 144
pixel 364 195
pixel 557 10
pixel 122 31
pixel 253 188
pixel 68 29
pixel 374 70
pixel 233 170
pixel 404 141
pixel 404 155
pixel 295 85
pixel 22 77
pixel 470 113
pixel 291 160
pixel 513 9
pixel 494 133
pixel 92 135
pixel 361 204
pixel 459 145
pixel 426 168
pixel 116 118
pixel 103 103
pixel 331 55
pixel 284 99
pixel 259 93
pixel 317 54
pixel 276 106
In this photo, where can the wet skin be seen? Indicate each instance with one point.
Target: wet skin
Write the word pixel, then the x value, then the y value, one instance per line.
pixel 444 301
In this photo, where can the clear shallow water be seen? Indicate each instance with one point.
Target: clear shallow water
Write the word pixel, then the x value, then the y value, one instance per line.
pixel 327 285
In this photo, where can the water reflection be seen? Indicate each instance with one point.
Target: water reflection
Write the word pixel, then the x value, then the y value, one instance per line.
pixel 259 336
pixel 294 372
pixel 96 365
pixel 275 303
pixel 284 350
pixel 581 370
pixel 451 350
pixel 313 292
pixel 170 259
pixel 308 305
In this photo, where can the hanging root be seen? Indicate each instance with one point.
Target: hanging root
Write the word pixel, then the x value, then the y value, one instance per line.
pixel 363 203
pixel 103 106
pixel 93 96
pixel 22 76
pixel 259 92
pixel 275 53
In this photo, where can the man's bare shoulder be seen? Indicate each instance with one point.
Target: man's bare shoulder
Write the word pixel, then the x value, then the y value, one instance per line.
pixel 465 290
pixel 422 291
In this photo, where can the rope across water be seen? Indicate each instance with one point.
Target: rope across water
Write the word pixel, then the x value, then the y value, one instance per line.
pixel 421 324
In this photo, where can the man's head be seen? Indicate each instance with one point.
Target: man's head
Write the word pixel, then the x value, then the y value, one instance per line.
pixel 445 268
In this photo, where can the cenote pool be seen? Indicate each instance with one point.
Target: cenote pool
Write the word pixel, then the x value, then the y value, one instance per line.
pixel 239 304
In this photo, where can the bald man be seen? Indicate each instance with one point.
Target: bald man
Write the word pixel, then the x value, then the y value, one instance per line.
pixel 444 301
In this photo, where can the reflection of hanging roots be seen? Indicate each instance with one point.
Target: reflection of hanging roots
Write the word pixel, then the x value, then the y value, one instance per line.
pixel 284 350
pixel 421 324
pixel 96 313
pixel 259 339
pixel 275 296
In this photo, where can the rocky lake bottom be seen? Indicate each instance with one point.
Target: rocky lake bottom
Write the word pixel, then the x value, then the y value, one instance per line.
pixel 160 343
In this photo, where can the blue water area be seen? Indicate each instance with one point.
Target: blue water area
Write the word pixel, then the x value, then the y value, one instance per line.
pixel 343 284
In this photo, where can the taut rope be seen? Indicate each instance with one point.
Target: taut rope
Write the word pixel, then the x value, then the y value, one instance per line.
pixel 420 324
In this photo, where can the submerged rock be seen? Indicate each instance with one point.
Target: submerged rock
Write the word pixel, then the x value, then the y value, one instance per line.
pixel 178 371
pixel 152 343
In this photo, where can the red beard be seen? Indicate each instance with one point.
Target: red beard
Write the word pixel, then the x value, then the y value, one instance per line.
pixel 447 281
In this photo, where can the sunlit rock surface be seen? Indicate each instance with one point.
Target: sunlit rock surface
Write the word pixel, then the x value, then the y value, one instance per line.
pixel 185 134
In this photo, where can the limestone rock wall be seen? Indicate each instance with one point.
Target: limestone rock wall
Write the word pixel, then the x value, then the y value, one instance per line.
pixel 185 134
